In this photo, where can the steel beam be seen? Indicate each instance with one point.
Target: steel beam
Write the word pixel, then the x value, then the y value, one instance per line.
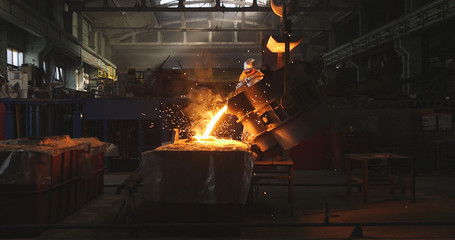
pixel 150 29
pixel 181 47
pixel 184 44
pixel 81 8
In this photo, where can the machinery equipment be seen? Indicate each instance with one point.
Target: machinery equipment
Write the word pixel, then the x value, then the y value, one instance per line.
pixel 275 116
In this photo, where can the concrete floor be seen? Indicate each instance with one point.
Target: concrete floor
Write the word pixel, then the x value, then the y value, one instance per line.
pixel 435 196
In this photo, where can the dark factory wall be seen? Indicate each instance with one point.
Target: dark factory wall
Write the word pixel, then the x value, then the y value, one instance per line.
pixel 313 153
pixel 423 132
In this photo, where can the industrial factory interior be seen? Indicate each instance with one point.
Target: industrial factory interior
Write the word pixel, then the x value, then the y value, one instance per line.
pixel 227 119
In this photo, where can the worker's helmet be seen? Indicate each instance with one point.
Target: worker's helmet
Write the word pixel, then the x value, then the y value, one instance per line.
pixel 249 64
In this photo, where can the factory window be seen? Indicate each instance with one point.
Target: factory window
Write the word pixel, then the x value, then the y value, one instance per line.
pixel 193 3
pixel 169 3
pixel 14 57
pixel 208 3
pixel 58 74
pixel 260 2
pixel 85 32
pixel 75 29
pixel 244 3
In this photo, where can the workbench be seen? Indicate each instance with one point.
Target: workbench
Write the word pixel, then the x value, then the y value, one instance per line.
pixel 273 169
pixel 380 171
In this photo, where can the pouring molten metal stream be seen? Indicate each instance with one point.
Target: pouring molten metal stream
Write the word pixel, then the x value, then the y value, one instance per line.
pixel 206 142
pixel 211 125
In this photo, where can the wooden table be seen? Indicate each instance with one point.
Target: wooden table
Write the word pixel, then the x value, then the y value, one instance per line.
pixel 270 169
pixel 391 167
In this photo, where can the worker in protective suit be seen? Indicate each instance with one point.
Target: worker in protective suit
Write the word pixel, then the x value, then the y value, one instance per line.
pixel 250 75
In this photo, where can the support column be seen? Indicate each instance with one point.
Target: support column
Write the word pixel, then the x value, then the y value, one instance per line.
pixel 363 25
pixel 361 66
pixel 3 47
pixel 410 49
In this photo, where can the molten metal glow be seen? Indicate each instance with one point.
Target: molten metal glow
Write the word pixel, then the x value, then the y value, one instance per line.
pixel 207 144
pixel 277 9
pixel 278 47
pixel 212 123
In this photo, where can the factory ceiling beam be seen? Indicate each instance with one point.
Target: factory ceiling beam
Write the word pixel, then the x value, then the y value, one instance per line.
pixel 181 47
pixel 80 7
pixel 149 29
pixel 185 44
